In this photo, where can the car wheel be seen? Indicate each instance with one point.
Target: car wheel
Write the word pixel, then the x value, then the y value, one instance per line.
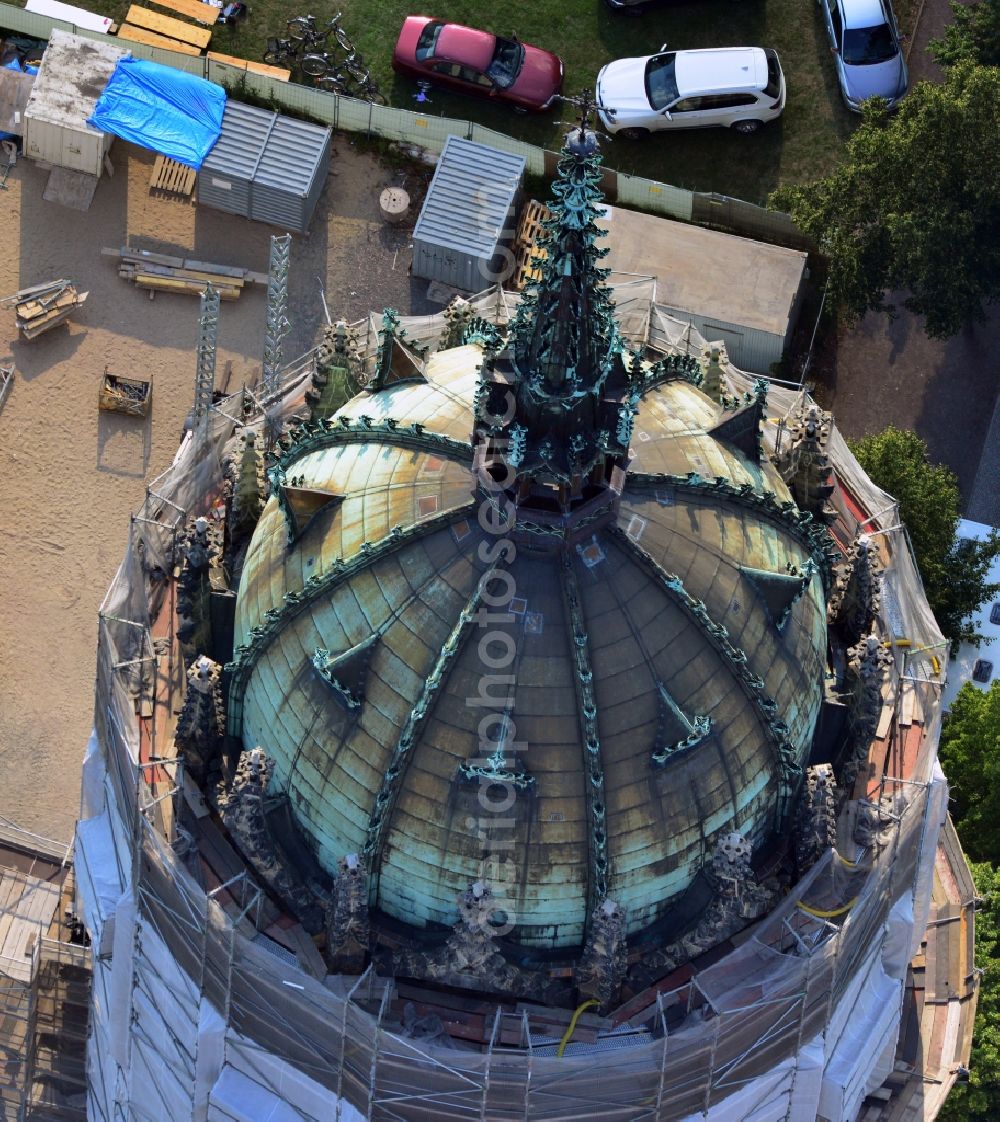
pixel 632 134
pixel 746 127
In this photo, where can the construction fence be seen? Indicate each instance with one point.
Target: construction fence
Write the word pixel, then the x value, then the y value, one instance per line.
pixel 195 1018
pixel 407 126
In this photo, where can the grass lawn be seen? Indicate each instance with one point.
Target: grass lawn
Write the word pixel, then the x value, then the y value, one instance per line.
pixel 805 142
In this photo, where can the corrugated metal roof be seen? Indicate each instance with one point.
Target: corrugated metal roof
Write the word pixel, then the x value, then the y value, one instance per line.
pixel 291 155
pixel 238 150
pixel 469 197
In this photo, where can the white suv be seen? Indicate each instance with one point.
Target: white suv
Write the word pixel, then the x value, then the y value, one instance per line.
pixel 731 87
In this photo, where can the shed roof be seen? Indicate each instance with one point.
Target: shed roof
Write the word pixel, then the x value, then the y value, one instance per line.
pixel 71 78
pixel 717 276
pixel 291 155
pixel 268 148
pixel 469 197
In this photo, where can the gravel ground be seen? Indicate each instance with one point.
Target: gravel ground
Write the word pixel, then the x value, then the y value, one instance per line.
pixel 70 474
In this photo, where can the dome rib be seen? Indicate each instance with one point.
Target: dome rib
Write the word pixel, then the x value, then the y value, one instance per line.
pixel 316 588
pixel 598 873
pixel 409 737
pixel 788 769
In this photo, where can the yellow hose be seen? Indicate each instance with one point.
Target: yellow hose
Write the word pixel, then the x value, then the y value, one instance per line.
pixel 568 1034
pixel 823 913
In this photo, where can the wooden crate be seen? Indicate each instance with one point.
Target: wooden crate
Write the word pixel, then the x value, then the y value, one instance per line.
pixel 172 178
pixel 124 395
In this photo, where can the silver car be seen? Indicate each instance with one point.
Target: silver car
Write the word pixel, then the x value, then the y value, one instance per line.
pixel 865 42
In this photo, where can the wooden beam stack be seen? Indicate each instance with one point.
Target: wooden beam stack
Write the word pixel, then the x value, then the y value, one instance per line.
pixel 160 272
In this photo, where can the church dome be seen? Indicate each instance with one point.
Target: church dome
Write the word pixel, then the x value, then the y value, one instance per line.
pixel 533 610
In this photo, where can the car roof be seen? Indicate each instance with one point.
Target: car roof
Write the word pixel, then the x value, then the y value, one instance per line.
pixel 862 13
pixel 465 44
pixel 721 68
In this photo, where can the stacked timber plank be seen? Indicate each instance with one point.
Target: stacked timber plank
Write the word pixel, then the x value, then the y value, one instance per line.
pixel 160 272
pixel 172 178
pixel 528 255
pixel 143 25
pixel 42 307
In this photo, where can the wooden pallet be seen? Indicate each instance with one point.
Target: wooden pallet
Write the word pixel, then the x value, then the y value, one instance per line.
pixel 138 35
pixel 172 178
pixel 527 253
pixel 169 27
pixel 278 72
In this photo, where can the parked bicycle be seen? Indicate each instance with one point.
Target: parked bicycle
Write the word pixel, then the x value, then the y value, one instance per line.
pixel 349 85
pixel 281 52
pixel 305 30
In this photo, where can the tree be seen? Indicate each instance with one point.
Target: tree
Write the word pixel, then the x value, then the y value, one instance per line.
pixel 980 1097
pixel 970 755
pixel 973 36
pixel 915 206
pixel 954 571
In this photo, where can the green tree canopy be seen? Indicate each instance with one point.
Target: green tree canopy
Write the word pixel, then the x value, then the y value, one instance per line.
pixel 970 755
pixel 954 571
pixel 915 205
pixel 980 1097
pixel 972 36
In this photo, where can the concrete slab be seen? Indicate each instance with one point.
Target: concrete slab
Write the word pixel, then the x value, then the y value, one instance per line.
pixel 74 189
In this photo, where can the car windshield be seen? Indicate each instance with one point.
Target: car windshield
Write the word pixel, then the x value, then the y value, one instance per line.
pixel 506 62
pixel 661 84
pixel 866 45
pixel 428 41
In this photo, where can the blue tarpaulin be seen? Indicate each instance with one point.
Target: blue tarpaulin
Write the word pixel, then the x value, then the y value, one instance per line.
pixel 166 110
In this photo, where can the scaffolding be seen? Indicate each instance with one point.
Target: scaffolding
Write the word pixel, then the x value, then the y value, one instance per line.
pixel 194 1011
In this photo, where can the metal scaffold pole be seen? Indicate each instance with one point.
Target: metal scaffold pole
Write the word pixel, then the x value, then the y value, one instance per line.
pixel 277 309
pixel 208 340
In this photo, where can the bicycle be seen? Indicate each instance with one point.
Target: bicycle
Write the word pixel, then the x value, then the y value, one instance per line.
pixel 281 51
pixel 305 31
pixel 350 84
pixel 321 62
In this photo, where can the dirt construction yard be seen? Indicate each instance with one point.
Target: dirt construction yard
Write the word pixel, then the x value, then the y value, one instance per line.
pixel 69 475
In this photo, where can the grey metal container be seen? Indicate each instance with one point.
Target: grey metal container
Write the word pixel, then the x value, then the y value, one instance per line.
pixel 266 167
pixel 467 216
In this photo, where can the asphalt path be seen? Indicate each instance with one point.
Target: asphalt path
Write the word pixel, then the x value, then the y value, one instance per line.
pixel 887 372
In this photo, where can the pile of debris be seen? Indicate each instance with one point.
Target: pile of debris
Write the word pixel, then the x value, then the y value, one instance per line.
pixel 44 306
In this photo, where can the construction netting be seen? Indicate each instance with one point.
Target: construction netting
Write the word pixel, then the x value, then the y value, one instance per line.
pixel 194 1018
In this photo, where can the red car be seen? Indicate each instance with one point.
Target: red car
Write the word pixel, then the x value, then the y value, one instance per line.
pixel 477 62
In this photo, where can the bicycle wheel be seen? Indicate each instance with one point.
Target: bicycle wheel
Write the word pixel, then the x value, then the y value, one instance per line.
pixel 331 83
pixel 342 37
pixel 275 57
pixel 315 65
